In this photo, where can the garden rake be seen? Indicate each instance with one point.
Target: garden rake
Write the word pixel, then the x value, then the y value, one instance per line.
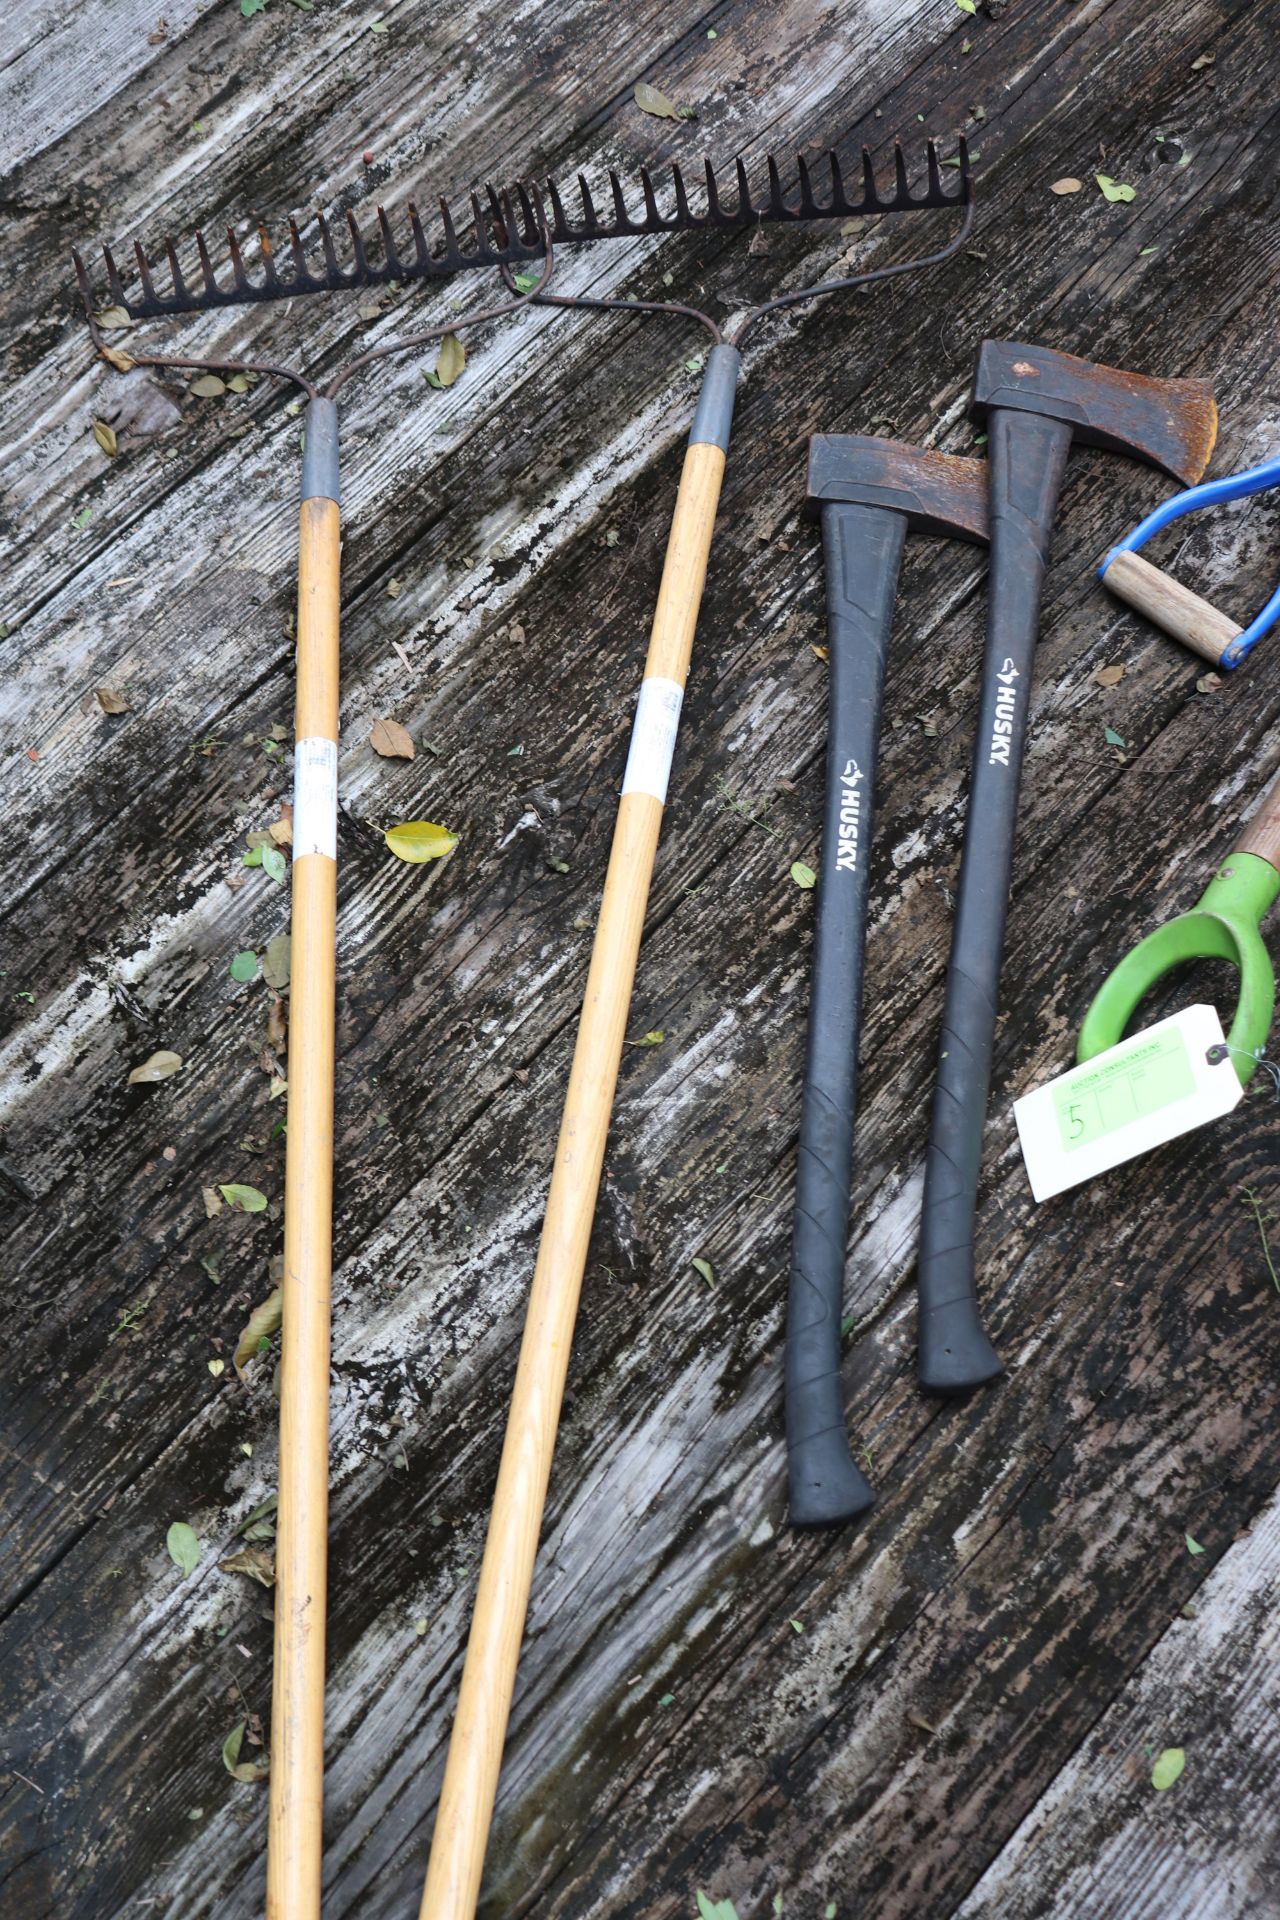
pixel 502 232
pixel 488 1679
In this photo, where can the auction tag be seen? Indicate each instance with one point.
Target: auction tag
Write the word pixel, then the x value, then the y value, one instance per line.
pixel 1150 1088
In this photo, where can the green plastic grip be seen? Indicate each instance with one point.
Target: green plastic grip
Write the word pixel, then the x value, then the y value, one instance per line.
pixel 1223 925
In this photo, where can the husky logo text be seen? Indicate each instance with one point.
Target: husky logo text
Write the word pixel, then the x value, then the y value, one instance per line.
pixel 1002 731
pixel 850 818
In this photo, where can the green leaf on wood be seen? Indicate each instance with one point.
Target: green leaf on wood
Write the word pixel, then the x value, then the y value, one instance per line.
pixel 709 1909
pixel 276 959
pixel 274 863
pixel 262 1323
pixel 1193 1546
pixel 1114 739
pixel 1113 189
pixel 244 1199
pixel 804 876
pixel 652 100
pixel 705 1268
pixel 419 840
pixel 183 1545
pixel 1168 1768
pixel 247 1770
pixel 244 964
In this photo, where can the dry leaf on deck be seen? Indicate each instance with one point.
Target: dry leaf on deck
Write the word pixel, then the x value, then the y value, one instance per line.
pixel 392 741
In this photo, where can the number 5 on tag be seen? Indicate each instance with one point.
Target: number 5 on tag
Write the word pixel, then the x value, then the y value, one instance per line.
pixel 1159 1083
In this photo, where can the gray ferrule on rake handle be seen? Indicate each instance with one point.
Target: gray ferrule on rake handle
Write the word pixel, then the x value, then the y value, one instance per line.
pixel 497 1628
pixel 296 1792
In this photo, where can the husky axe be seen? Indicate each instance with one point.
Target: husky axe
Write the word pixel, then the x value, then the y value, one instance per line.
pixel 869 495
pixel 1034 403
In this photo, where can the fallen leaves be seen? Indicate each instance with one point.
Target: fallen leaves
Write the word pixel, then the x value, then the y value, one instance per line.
pixel 208 386
pixel 256 1563
pixel 392 741
pixel 1168 1768
pixel 243 1199
pixel 106 438
pixel 1193 1546
pixel 161 1065
pixel 709 1909
pixel 420 840
pixel 110 701
pixel 277 957
pixel 212 1201
pixel 250 1771
pixel 1107 676
pixel 803 875
pixel 262 1323
pixel 1114 739
pixel 1067 184
pixel 652 100
pixel 244 966
pixel 705 1268
pixel 184 1546
pixel 450 361
pixel 1208 683
pixel 1114 189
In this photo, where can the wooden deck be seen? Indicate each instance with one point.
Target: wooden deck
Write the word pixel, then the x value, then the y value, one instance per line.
pixel 951 1710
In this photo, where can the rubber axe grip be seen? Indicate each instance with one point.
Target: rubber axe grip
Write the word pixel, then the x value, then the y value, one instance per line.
pixel 1028 455
pixel 1170 606
pixel 862 548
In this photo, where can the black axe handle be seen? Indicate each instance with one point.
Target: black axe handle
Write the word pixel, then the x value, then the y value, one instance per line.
pixel 1027 453
pixel 862 548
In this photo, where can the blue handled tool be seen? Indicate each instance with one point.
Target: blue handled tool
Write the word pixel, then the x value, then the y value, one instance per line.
pixel 1165 600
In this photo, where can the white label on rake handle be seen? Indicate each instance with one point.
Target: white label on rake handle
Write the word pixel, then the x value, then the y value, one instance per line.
pixel 653 737
pixel 315 797
pixel 1149 1088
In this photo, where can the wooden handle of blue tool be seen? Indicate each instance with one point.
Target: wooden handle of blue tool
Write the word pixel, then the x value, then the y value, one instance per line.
pixel 862 547
pixel 1027 453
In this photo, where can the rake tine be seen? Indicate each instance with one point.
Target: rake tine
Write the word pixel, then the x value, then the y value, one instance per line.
pixel 271 277
pixel 590 219
pixel 965 179
pixel 714 214
pixel 144 274
pixel 211 287
pixel 560 229
pixel 357 248
pixel 622 220
pixel 389 246
pixel 683 215
pixel 175 271
pixel 238 273
pixel 483 241
pixel 839 201
pixel 532 233
pixel 746 208
pixel 650 198
pixel 499 230
pixel 870 191
pixel 453 252
pixel 902 186
pixel 301 277
pixel 114 283
pixel 934 171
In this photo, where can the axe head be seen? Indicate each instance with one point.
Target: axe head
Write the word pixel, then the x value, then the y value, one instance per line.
pixel 1170 423
pixel 937 492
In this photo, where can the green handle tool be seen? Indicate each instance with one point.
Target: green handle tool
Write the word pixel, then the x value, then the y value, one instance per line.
pixel 1223 925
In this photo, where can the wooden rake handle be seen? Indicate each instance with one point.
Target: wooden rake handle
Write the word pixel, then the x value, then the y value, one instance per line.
pixel 294 1841
pixel 506 1573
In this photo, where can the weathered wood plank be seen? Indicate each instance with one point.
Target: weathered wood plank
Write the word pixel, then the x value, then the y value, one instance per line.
pixel 1027 1551
pixel 1103 1843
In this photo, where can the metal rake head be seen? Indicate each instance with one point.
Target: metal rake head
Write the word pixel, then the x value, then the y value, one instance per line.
pixel 511 225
